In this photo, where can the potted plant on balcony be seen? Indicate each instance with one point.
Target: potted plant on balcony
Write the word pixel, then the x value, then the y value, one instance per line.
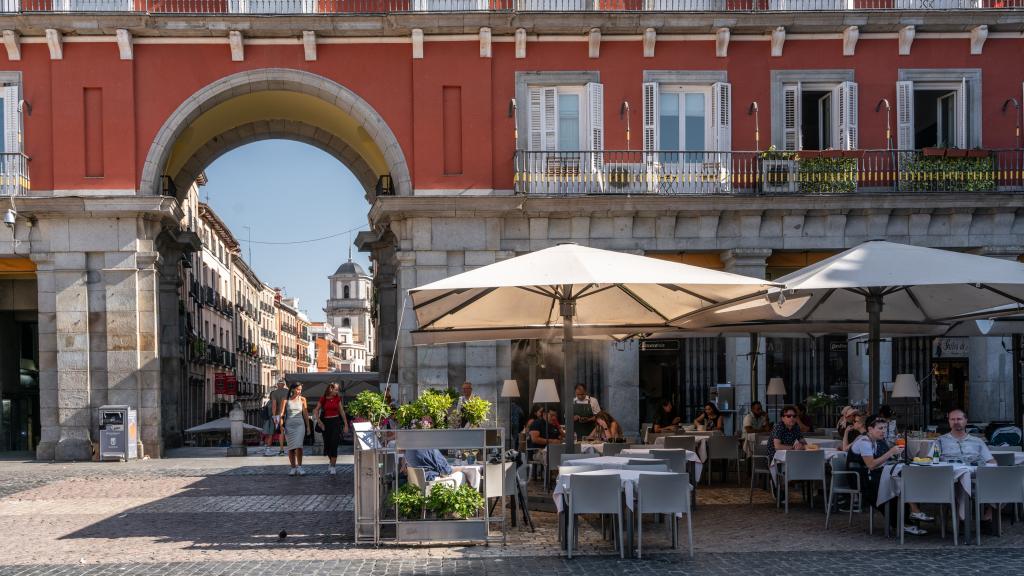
pixel 779 170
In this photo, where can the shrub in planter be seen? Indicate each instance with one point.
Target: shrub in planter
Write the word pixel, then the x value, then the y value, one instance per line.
pixel 475 411
pixel 461 502
pixel 409 500
pixel 967 173
pixel 370 405
pixel 828 175
pixel 430 410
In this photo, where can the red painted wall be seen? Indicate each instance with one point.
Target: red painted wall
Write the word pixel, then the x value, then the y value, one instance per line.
pixel 139 95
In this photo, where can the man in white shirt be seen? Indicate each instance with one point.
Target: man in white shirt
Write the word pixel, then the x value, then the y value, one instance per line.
pixel 755 422
pixel 959 445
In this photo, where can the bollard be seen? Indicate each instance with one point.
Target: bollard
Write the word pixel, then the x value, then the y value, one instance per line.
pixel 237 416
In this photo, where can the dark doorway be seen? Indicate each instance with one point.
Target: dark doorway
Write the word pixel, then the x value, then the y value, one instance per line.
pixel 948 388
pixel 19 381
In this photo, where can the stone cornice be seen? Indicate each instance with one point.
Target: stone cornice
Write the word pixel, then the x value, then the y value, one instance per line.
pixel 154 207
pixel 505 24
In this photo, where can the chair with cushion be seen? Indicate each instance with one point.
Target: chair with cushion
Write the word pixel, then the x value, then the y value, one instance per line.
pixel 803 466
pixel 595 495
pixel 928 485
pixel 664 494
pixel 681 443
pixel 613 448
pixel 724 448
pixel 997 485
pixel 846 481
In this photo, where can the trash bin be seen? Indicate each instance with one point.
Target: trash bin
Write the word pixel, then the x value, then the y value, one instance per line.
pixel 119 433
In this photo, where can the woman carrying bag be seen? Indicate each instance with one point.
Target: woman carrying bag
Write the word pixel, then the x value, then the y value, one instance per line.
pixel 330 417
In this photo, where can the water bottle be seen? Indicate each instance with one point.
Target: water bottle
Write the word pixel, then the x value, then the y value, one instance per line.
pixel 935 452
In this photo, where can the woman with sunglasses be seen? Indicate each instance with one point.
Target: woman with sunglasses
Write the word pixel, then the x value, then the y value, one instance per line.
pixel 786 435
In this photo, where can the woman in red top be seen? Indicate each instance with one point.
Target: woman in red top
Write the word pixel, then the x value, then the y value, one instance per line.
pixel 330 416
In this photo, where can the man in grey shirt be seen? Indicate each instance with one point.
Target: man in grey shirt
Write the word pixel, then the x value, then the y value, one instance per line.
pixel 958 445
pixel 278 399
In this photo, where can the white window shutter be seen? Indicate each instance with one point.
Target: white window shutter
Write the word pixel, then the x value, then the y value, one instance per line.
pixel 845 116
pixel 905 115
pixel 550 113
pixel 595 102
pixel 721 115
pixel 535 139
pixel 650 119
pixel 791 116
pixel 12 120
pixel 961 115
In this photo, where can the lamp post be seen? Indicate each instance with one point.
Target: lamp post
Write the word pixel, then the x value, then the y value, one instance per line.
pixel 776 387
pixel 1016 117
pixel 757 128
pixel 888 127
pixel 624 115
pixel 510 390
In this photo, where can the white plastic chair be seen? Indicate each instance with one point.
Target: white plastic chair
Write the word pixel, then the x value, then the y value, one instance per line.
pixel 664 494
pixel 723 448
pixel 760 465
pixel 997 485
pixel 676 459
pixel 681 442
pixel 805 466
pixel 613 448
pixel 845 481
pixel 646 466
pixel 552 459
pixel 595 495
pixel 929 485
pixel 418 478
pixel 569 457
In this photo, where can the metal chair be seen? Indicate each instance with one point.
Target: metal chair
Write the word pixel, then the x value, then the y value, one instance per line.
pixel 928 485
pixel 1004 448
pixel 595 495
pixel 845 481
pixel 676 459
pixel 552 459
pixel 664 494
pixel 997 485
pixel 645 429
pixel 681 443
pixel 613 448
pixel 1005 459
pixel 570 457
pixel 803 466
pixel 723 448
pixel 760 465
pixel 654 466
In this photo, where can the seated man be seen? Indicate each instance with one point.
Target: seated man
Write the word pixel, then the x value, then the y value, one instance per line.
pixel 961 446
pixel 434 465
pixel 545 431
pixel 754 423
pixel 667 419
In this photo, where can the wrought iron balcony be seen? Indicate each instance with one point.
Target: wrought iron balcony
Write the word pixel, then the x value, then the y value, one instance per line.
pixel 771 172
pixel 365 7
pixel 14 180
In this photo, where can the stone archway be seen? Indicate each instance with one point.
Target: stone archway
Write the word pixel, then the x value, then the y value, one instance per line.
pixel 276 79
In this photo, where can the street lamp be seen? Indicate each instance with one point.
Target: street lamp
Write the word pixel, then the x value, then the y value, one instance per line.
pixel 757 127
pixel 624 115
pixel 888 127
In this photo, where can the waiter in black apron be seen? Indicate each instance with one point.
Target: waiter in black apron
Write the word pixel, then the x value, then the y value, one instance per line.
pixel 584 407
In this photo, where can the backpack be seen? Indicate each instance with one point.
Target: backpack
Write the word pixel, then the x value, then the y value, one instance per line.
pixel 266 410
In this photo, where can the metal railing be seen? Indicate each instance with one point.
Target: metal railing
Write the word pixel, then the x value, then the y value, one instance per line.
pixel 767 173
pixel 14 180
pixel 365 7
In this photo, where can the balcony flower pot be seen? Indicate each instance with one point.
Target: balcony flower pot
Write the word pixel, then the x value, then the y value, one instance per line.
pixel 779 171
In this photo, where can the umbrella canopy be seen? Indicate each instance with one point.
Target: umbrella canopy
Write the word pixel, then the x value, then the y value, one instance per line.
pixel 220 425
pixel 877 287
pixel 570 290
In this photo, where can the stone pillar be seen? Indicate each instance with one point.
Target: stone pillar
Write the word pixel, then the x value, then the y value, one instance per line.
pixel 172 368
pixel 64 394
pixel 407 362
pixel 749 262
pixel 150 411
pixel 621 395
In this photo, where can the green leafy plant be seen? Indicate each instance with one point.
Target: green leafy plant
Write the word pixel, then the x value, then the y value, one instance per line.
pixel 774 154
pixel 475 411
pixel 435 405
pixel 828 175
pixel 821 400
pixel 409 414
pixel 920 173
pixel 370 405
pixel 409 500
pixel 461 502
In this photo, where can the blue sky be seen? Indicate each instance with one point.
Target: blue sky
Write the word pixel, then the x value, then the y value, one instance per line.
pixel 287 191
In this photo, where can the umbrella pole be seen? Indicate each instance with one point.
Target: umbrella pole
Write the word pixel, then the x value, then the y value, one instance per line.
pixel 874 309
pixel 754 342
pixel 568 310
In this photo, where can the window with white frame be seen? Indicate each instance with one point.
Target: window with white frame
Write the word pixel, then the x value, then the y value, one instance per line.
pixel 11 118
pixel 931 114
pixel 819 115
pixel 687 118
pixel 567 119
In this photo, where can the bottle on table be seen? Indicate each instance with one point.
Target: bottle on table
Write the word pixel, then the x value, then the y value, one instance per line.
pixel 935 452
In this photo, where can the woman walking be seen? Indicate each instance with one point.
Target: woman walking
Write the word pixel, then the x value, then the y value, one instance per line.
pixel 296 425
pixel 331 417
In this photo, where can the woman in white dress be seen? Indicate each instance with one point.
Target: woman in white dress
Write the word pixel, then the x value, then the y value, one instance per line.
pixel 296 426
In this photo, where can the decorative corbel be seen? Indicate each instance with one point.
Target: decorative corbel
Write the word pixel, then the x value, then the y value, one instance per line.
pixel 237 46
pixel 124 44
pixel 485 42
pixel 417 44
pixel 978 36
pixel 850 36
pixel 906 39
pixel 55 42
pixel 12 41
pixel 650 39
pixel 778 41
pixel 595 43
pixel 722 42
pixel 309 45
pixel 520 43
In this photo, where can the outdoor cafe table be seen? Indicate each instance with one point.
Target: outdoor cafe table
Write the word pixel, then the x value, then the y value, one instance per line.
pixel 823 442
pixel 691 457
pixel 891 484
pixel 629 480
pixel 700 444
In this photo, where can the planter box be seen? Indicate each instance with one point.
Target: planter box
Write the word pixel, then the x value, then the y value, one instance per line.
pixel 442 531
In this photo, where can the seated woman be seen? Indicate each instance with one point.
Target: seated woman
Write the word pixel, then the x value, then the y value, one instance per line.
pixel 709 419
pixel 854 429
pixel 845 420
pixel 867 456
pixel 803 419
pixel 606 428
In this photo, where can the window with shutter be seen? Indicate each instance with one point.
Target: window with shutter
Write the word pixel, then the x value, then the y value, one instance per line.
pixel 905 115
pixel 846 116
pixel 721 115
pixel 595 100
pixel 791 116
pixel 961 116
pixel 11 119
pixel 650 120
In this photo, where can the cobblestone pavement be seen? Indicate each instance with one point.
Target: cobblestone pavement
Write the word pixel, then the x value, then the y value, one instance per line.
pixel 223 516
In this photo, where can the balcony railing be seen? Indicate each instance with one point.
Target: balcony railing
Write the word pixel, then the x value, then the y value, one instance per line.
pixel 363 7
pixel 775 172
pixel 14 180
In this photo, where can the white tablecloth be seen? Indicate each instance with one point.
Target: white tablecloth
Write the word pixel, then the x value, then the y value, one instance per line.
pixel 592 448
pixel 824 442
pixel 629 478
pixel 700 443
pixel 780 459
pixel 472 472
pixel 891 483
pixel 604 461
pixel 690 457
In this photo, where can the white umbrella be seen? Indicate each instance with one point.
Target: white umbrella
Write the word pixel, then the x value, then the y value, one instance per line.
pixel 874 287
pixel 220 425
pixel 570 291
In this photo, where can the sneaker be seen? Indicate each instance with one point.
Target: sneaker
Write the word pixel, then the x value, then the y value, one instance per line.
pixel 302 471
pixel 331 470
pixel 280 453
pixel 268 452
pixel 293 472
pixel 921 517
pixel 916 531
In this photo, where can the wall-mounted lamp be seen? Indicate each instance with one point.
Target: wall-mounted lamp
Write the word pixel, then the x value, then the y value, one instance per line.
pixel 1016 107
pixel 624 115
pixel 513 112
pixel 25 107
pixel 888 127
pixel 754 110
